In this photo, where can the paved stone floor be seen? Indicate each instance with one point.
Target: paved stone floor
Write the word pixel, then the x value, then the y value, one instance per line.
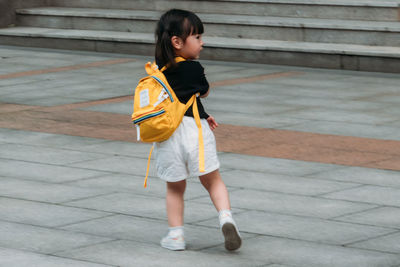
pixel 311 158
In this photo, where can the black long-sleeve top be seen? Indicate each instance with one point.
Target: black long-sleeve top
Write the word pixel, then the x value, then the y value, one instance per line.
pixel 187 79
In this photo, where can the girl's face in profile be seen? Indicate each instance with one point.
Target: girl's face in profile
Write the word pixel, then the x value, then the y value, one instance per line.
pixel 190 49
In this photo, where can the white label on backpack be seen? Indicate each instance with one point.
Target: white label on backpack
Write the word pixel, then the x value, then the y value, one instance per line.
pixel 144 98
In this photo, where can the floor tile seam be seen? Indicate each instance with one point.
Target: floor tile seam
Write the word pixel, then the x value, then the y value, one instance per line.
pixel 84 104
pixel 357 212
pixel 51 255
pixel 294 116
pixel 272 172
pixel 65 226
pixel 362 202
pixel 239 69
pixel 339 109
pixel 251 79
pixel 297 215
pixel 267 113
pixel 396 187
pixel 111 172
pixel 106 156
pixel 237 188
pixel 95 177
pixel 67 68
pixel 289 237
pixel 64 164
pixel 56 165
pixel 361 186
pixel 315 175
pixel 116 238
pixel 49 203
pixel 114 214
pixel 34 180
pixel 108 211
pixel 68 202
pixel 55 147
pixel 316 196
pixel 311 176
pixel 376 95
pixel 116 192
pixel 60 252
pixel 77 149
pixel 358 185
pixel 394 229
pixel 305 120
pixel 52 228
pixel 351 244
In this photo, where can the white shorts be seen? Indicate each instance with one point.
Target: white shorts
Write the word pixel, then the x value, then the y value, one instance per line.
pixel 178 157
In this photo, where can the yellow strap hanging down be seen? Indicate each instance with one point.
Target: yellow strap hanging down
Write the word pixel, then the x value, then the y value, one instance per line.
pixel 148 167
pixel 201 141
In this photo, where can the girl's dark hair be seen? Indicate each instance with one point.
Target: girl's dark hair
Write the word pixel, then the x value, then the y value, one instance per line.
pixel 175 22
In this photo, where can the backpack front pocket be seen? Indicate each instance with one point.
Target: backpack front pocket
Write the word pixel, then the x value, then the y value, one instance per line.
pixel 155 125
pixel 148 115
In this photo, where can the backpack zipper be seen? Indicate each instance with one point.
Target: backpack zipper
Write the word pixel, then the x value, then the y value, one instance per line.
pixel 165 87
pixel 148 115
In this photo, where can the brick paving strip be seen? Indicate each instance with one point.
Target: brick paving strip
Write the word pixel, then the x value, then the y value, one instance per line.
pixel 66 68
pixel 295 145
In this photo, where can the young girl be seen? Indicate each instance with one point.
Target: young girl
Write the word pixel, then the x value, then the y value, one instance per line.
pixel 179 34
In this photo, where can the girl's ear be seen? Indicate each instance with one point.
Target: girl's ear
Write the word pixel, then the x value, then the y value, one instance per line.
pixel 176 42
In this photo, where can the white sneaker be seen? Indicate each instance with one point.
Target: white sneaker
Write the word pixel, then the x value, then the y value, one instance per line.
pixel 173 243
pixel 230 231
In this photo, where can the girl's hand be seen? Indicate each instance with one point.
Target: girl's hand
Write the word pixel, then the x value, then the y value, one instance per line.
pixel 211 121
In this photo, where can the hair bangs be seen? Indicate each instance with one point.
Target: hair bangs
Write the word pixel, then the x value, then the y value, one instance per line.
pixel 192 25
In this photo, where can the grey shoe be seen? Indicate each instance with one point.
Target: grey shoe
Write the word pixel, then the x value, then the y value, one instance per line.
pixel 230 231
pixel 232 236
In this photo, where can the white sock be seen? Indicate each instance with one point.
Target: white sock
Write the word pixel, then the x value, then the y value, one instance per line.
pixel 224 213
pixel 225 216
pixel 176 231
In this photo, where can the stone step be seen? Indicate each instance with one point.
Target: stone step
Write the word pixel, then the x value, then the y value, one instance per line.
pixel 375 10
pixel 379 33
pixel 322 55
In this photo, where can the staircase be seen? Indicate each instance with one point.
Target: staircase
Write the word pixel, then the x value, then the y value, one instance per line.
pixel 338 34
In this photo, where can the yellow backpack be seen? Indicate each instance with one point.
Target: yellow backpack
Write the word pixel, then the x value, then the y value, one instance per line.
pixel 157 112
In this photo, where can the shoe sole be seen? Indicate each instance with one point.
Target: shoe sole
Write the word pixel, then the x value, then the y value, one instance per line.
pixel 232 238
pixel 175 248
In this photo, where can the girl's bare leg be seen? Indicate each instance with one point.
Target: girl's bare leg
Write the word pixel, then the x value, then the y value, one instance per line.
pixel 219 196
pixel 217 190
pixel 175 205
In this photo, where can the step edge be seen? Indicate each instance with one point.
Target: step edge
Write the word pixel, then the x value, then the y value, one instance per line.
pixel 270 21
pixel 215 42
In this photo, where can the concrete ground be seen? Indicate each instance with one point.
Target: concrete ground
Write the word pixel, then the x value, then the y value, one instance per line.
pixel 311 158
